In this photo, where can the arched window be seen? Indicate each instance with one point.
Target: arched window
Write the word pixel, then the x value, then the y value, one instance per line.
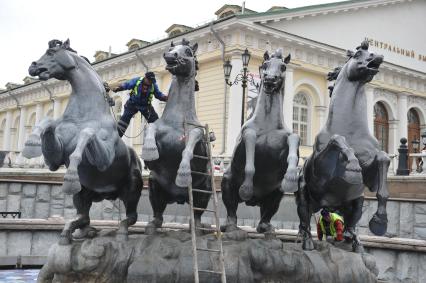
pixel 300 117
pixel 381 125
pixel 413 131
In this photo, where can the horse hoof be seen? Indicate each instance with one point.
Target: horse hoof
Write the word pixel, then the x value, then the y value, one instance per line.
pixel 64 240
pixel 150 151
pixel 71 188
pixel 32 147
pixel 308 245
pixel 85 232
pixel 183 179
pixel 289 185
pixel 353 165
pixel 358 248
pixel 378 224
pixel 229 228
pixel 151 227
pixel 265 228
pixel 245 192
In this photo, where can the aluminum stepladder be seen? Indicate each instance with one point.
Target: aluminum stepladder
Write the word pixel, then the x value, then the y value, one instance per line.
pixel 209 174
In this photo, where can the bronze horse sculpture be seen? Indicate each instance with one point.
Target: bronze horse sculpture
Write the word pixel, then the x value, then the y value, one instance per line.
pixel 264 162
pixel 346 156
pixel 164 151
pixel 99 165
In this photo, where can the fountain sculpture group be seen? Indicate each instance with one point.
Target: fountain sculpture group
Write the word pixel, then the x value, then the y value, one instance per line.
pixel 263 167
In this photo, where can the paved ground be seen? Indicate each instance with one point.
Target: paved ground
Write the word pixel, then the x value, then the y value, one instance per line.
pixel 18 275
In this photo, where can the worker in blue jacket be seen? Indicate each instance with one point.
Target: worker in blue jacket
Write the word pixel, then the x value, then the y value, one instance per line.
pixel 143 89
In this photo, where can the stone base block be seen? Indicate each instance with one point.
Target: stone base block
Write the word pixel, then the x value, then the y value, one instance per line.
pixel 167 257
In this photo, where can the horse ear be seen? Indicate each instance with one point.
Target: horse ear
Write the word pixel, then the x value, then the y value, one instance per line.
pixel 287 59
pixel 172 44
pixel 195 47
pixel 349 53
pixel 66 44
pixel 266 56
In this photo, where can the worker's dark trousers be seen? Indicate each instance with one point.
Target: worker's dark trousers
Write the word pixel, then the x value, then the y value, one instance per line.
pixel 130 109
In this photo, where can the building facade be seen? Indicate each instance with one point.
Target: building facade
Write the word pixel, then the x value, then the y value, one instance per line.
pixel 316 37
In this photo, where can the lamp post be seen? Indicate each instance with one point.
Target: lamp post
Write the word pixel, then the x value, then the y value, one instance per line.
pixel 415 144
pixel 244 77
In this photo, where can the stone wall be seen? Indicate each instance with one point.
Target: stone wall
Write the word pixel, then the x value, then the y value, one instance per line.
pixel 406 219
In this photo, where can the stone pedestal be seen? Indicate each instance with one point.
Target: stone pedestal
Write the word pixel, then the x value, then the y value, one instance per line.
pixel 167 257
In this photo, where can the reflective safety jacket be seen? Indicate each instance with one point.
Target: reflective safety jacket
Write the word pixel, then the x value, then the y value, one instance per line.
pixel 335 228
pixel 140 98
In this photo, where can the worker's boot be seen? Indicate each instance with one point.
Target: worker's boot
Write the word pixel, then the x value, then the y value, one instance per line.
pixel 121 127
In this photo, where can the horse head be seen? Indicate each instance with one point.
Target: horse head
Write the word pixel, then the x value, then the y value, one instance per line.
pixel 56 62
pixel 273 71
pixel 362 65
pixel 181 60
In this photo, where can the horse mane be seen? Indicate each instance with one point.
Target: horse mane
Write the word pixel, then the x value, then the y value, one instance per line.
pixel 58 43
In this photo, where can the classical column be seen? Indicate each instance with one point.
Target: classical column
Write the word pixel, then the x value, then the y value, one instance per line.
pixel 39 112
pixel 6 133
pixel 393 137
pixel 402 116
pixel 57 111
pixel 21 130
pixel 288 98
pixel 321 112
pixel 234 105
pixel 369 94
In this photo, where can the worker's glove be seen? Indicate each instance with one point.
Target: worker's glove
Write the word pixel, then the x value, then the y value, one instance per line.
pixel 339 236
pixel 117 89
pixel 166 97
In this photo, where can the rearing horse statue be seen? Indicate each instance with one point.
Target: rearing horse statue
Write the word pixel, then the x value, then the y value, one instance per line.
pixel 164 150
pixel 264 162
pixel 99 165
pixel 346 156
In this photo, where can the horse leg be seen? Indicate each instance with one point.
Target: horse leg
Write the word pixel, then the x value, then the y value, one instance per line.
pixel 340 142
pixel 71 183
pixel 158 199
pixel 289 183
pixel 352 214
pixel 304 212
pixel 131 197
pixel 51 147
pixel 200 200
pixel 230 199
pixel 246 189
pixel 149 148
pixel 268 207
pixel 82 202
pixel 183 178
pixel 378 224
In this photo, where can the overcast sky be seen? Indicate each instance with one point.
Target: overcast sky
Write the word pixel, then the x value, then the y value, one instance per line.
pixel 26 26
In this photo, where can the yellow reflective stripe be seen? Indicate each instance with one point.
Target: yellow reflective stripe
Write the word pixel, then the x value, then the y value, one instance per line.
pixel 135 89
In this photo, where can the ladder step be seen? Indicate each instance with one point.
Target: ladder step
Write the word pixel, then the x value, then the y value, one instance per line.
pixel 203 209
pixel 200 156
pixel 201 191
pixel 200 173
pixel 209 271
pixel 208 250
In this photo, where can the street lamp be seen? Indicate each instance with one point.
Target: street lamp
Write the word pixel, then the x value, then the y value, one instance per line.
pixel 415 144
pixel 242 77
